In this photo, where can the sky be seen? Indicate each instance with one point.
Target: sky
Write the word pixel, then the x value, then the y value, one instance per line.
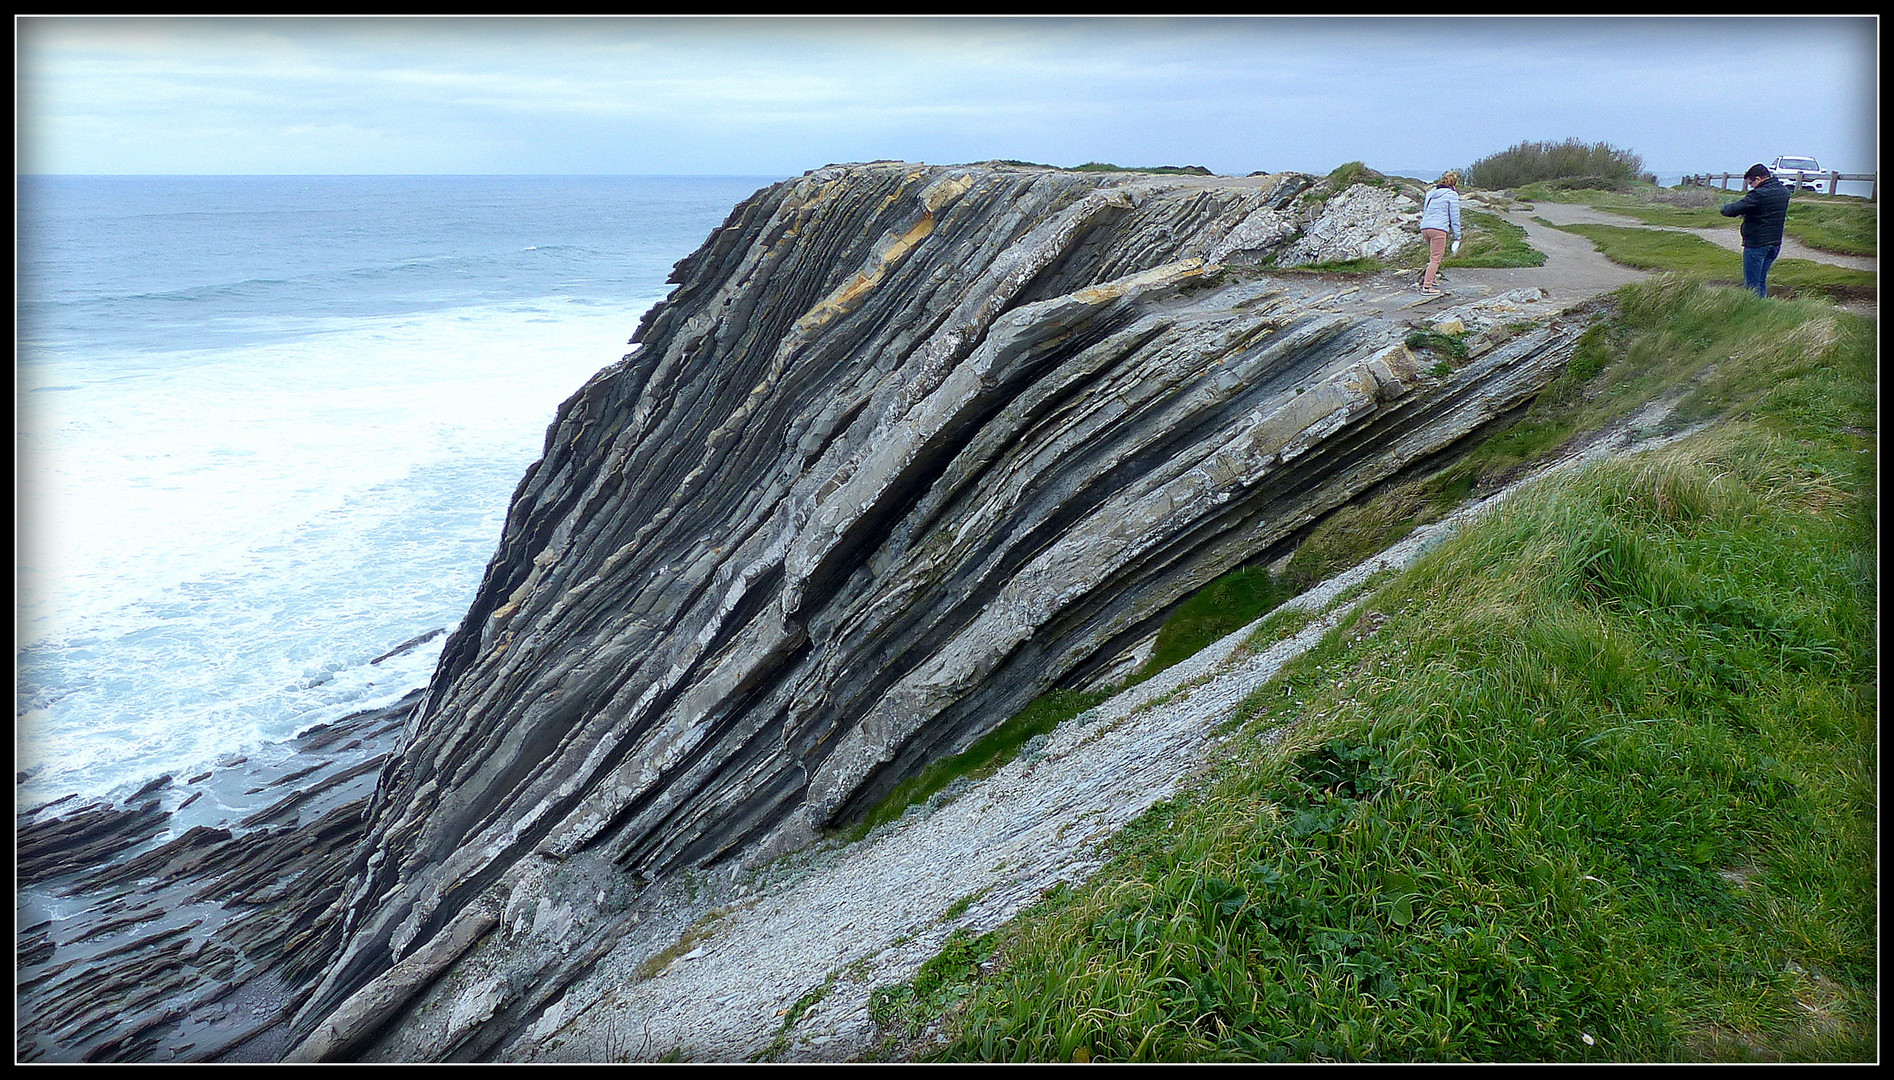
pixel 778 96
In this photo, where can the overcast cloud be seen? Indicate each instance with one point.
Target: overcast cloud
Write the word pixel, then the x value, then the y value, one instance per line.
pixel 774 97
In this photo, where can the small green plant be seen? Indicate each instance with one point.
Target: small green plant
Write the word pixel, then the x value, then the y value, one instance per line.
pixel 941 984
pixel 960 907
pixel 1451 346
pixel 1220 608
pixel 793 1016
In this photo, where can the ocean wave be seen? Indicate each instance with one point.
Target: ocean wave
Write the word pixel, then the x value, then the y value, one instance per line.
pixel 281 422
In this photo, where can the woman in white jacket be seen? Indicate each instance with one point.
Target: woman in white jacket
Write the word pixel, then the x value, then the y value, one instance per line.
pixel 1440 215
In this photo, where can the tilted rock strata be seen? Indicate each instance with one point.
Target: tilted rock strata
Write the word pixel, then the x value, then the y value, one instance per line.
pixel 906 447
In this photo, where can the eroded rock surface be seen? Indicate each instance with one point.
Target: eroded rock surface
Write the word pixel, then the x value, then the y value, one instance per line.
pixel 184 923
pixel 907 447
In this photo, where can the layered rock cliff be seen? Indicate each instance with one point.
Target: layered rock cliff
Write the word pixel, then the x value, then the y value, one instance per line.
pixel 906 447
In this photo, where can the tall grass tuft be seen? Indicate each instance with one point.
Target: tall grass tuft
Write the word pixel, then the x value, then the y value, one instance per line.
pixel 1571 163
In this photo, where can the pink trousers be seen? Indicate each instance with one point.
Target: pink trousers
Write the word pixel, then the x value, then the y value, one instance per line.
pixel 1436 250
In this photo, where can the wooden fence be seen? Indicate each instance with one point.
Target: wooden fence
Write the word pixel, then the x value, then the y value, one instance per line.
pixel 1722 180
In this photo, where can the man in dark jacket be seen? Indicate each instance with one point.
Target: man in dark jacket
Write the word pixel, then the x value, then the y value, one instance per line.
pixel 1763 211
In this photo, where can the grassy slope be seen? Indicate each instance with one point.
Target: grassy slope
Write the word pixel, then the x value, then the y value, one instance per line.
pixel 1598 785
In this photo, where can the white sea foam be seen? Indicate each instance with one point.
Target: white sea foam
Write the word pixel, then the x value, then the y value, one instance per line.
pixel 214 545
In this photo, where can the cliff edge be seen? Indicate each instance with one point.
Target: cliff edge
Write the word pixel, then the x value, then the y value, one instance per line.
pixel 906 447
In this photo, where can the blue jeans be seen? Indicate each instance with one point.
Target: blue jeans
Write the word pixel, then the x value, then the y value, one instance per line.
pixel 1756 264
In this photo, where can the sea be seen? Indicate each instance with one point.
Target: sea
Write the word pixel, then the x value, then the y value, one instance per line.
pixel 266 429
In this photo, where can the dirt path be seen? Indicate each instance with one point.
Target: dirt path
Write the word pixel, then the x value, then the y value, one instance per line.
pixel 1574 270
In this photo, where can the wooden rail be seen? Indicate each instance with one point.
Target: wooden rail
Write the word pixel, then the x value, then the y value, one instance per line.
pixel 1722 180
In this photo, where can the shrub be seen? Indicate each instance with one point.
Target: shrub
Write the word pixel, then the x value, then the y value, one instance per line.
pixel 1351 173
pixel 1589 183
pixel 1598 165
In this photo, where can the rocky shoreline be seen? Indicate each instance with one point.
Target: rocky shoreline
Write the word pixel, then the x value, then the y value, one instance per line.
pixel 178 923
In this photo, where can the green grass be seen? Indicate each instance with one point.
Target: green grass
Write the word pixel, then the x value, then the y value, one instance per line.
pixel 1492 241
pixel 1650 249
pixel 1357 531
pixel 1220 608
pixel 1843 226
pixel 1599 787
pixel 1282 625
pixel 1489 241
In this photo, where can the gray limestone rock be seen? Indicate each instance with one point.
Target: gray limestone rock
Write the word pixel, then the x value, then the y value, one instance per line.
pixel 1364 221
pixel 907 447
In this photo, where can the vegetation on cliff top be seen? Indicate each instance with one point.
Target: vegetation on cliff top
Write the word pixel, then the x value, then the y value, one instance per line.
pixel 1572 163
pixel 1593 781
pixel 1100 166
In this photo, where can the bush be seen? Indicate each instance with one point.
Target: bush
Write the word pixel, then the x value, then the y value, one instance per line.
pixel 1599 165
pixel 1589 183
